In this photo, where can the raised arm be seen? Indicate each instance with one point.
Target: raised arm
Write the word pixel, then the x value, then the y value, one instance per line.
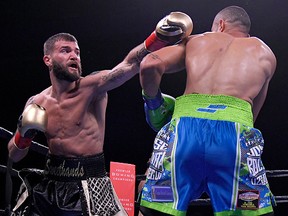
pixel 167 60
pixel 159 107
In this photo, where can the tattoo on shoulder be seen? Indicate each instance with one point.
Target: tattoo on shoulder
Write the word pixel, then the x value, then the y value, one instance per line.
pixel 155 57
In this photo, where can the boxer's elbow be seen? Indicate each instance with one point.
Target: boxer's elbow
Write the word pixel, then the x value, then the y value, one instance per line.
pixel 151 66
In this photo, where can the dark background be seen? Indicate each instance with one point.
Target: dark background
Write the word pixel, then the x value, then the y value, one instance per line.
pixel 106 31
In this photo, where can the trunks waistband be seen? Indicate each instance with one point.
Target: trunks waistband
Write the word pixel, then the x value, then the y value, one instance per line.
pixel 75 168
pixel 214 107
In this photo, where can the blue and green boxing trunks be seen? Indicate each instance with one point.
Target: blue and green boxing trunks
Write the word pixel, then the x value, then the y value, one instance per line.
pixel 210 146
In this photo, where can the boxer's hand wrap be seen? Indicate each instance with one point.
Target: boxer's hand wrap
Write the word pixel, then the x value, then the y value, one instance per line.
pixel 170 30
pixel 34 118
pixel 158 110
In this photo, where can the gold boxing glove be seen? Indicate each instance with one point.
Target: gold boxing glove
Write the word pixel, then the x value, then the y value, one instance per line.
pixel 34 118
pixel 169 31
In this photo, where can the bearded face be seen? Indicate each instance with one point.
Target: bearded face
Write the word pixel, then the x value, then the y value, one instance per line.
pixel 70 72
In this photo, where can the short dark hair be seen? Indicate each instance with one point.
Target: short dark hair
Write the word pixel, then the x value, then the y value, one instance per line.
pixel 236 16
pixel 50 42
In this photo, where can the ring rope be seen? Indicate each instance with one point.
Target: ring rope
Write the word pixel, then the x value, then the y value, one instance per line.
pixel 42 149
pixel 35 146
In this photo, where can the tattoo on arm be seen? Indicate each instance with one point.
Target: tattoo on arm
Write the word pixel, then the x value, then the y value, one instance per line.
pixel 95 72
pixel 140 55
pixel 118 74
pixel 114 75
pixel 155 57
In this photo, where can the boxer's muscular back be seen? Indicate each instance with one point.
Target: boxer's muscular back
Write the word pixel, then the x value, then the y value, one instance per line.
pixel 218 63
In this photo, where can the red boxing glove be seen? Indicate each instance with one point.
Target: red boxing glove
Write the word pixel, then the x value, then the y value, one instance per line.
pixel 22 142
pixel 153 43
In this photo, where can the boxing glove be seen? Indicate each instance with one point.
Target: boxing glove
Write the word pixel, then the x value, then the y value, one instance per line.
pixel 158 110
pixel 170 30
pixel 33 119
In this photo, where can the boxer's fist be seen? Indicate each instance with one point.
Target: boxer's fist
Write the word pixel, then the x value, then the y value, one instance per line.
pixel 33 119
pixel 158 110
pixel 170 30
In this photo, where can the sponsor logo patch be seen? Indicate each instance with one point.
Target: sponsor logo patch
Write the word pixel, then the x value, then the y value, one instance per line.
pixel 162 194
pixel 248 199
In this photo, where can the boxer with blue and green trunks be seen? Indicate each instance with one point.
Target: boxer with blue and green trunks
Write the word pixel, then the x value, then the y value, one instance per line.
pixel 210 145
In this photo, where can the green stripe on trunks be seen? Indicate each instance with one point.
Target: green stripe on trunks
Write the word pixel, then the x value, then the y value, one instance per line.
pixel 214 107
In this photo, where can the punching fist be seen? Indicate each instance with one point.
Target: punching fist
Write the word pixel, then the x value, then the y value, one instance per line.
pixel 33 119
pixel 158 110
pixel 170 30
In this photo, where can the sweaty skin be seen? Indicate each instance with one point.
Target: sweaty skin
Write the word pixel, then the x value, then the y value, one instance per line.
pixel 76 105
pixel 76 110
pixel 216 63
pixel 225 61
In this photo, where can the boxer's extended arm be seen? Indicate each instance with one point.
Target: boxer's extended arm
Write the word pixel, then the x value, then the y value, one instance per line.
pixel 33 119
pixel 170 30
pixel 158 109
